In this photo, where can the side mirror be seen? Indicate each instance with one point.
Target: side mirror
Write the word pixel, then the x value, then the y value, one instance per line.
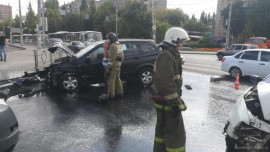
pixel 255 79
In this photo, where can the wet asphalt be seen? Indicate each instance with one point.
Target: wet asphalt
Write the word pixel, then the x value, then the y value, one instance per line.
pixel 77 122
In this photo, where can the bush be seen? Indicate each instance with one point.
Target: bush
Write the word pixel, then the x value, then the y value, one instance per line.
pixel 203 45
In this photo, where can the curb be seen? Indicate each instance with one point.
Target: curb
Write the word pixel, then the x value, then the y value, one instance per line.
pixel 203 53
pixel 20 47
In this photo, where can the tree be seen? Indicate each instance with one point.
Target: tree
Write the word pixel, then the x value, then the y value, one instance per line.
pixel 106 10
pixel 83 5
pixel 259 18
pixel 162 27
pixel 54 20
pixel 238 18
pixel 71 23
pixel 176 17
pixel 53 4
pixel 136 21
pixel 16 22
pixel 31 20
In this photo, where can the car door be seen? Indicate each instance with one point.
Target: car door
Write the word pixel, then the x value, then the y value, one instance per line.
pixel 131 58
pixel 91 68
pixel 249 63
pixel 237 49
pixel 148 52
pixel 264 64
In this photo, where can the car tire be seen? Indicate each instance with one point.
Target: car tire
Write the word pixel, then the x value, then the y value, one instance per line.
pixel 145 77
pixel 220 56
pixel 234 71
pixel 69 82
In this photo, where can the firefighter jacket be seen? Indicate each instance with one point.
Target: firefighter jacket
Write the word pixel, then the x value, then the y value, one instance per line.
pixel 167 76
pixel 116 55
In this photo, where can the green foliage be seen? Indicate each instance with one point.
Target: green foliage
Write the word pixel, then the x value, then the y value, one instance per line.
pixel 259 18
pixel 54 20
pixel 83 5
pixel 30 21
pixel 71 23
pixel 162 27
pixel 206 40
pixel 194 25
pixel 16 22
pixel 176 17
pixel 205 45
pixel 52 4
pixel 87 24
pixel 101 25
pixel 135 21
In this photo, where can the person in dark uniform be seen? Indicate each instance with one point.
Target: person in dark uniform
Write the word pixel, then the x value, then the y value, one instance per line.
pixel 170 135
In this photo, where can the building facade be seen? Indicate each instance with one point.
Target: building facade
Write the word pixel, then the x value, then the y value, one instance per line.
pixel 220 30
pixel 5 12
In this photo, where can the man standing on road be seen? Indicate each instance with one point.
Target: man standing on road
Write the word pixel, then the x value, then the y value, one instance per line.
pixel 115 59
pixel 170 133
pixel 2 46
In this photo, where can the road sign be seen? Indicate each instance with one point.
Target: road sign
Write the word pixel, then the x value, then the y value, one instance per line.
pixel 154 27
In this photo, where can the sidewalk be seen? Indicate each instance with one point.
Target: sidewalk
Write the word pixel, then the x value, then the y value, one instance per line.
pixel 20 59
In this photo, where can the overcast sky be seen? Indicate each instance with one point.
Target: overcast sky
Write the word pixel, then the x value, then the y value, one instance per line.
pixel 188 6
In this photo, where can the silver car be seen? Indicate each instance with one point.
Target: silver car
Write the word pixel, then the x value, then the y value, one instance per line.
pixel 9 128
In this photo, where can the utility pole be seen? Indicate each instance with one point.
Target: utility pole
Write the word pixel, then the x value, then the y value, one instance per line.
pixel 229 25
pixel 38 30
pixel 2 11
pixel 116 14
pixel 10 32
pixel 21 33
pixel 153 20
pixel 42 14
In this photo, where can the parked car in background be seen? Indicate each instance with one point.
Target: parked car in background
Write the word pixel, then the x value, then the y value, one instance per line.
pixel 9 128
pixel 76 46
pixel 235 48
pixel 56 41
pixel 261 42
pixel 248 62
pixel 85 67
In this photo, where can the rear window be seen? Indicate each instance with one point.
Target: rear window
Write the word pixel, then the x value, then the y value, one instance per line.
pixel 130 49
pixel 250 55
pixel 144 47
pixel 244 47
pixel 265 56
pixel 238 47
pixel 254 47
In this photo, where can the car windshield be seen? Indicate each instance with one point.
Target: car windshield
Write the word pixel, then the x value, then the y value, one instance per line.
pixel 88 48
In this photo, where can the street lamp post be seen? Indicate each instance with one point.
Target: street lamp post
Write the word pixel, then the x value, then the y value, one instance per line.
pixel 116 14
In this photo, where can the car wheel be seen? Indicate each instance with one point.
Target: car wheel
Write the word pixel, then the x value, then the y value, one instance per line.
pixel 220 56
pixel 69 82
pixel 234 71
pixel 146 77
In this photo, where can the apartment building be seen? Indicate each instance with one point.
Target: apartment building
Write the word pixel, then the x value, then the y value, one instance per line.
pixel 5 12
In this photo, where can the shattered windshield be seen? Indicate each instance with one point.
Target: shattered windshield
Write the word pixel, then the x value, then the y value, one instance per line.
pixel 88 48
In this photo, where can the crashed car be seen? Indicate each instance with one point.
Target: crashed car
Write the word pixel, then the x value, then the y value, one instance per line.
pixel 85 67
pixel 9 128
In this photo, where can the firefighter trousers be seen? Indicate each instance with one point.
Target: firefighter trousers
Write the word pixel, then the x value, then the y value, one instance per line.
pixel 170 135
pixel 114 83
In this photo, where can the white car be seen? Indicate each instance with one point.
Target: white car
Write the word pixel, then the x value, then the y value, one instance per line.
pixel 248 62
pixel 248 127
pixel 9 128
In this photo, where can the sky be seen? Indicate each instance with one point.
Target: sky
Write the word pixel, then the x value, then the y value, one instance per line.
pixel 188 6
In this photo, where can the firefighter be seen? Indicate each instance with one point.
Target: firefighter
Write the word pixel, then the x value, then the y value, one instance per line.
pixel 113 69
pixel 170 133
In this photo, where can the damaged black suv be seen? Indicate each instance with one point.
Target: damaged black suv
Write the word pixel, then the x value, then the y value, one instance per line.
pixel 72 71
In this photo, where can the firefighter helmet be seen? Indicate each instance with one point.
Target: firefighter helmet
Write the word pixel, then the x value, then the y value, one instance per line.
pixel 112 37
pixel 176 34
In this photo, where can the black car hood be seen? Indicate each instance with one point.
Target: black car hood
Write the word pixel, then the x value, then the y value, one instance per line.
pixel 62 47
